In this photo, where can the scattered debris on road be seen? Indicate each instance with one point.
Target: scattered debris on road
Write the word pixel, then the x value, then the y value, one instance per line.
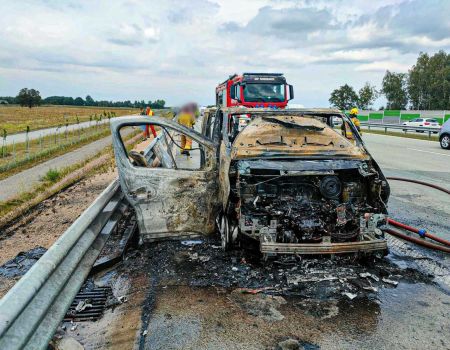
pixel 19 265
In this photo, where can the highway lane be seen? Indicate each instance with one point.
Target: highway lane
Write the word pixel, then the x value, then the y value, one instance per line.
pixel 399 156
pixel 414 204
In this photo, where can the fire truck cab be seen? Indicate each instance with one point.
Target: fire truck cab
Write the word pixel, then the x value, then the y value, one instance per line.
pixel 264 90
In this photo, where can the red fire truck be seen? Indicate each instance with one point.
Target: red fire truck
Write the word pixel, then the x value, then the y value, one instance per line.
pixel 268 90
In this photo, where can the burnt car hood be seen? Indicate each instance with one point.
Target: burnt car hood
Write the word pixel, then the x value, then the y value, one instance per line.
pixel 293 136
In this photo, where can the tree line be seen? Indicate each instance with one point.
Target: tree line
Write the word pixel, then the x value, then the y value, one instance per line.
pixel 426 86
pixel 31 97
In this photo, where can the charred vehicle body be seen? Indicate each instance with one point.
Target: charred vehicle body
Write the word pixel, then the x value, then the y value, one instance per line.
pixel 297 185
pixel 288 181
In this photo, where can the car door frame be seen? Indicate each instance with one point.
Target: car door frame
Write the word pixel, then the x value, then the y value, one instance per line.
pixel 169 203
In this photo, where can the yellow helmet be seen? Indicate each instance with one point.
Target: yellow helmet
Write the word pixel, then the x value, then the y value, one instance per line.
pixel 354 111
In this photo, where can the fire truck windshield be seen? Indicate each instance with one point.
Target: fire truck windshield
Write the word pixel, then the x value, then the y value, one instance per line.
pixel 264 92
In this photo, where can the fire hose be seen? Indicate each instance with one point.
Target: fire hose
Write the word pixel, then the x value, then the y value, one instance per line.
pixel 420 183
pixel 421 232
pixel 417 240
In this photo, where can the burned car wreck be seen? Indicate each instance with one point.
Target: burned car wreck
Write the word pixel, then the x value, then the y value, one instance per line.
pixel 297 185
pixel 286 180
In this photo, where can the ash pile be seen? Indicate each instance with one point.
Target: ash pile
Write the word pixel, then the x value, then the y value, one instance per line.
pixel 202 263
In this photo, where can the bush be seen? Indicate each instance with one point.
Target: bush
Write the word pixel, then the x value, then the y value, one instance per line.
pixel 52 175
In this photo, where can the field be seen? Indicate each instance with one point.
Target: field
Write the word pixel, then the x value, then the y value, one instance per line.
pixel 21 156
pixel 16 119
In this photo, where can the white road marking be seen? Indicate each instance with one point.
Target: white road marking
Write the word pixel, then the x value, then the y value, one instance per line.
pixel 419 150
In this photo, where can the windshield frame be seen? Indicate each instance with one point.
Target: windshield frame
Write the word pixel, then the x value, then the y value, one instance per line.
pixel 264 99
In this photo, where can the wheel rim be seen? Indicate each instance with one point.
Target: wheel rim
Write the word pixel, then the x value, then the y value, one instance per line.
pixel 445 142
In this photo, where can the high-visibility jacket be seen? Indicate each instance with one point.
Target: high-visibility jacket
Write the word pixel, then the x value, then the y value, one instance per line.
pixel 357 124
pixel 347 132
pixel 186 119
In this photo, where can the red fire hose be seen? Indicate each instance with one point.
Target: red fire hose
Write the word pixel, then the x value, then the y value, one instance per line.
pixel 421 232
pixel 420 183
pixel 417 241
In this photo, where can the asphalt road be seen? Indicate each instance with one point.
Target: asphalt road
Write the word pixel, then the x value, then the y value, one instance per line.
pixel 420 159
pixel 414 204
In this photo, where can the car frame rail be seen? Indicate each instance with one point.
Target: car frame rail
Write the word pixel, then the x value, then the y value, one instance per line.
pixel 32 310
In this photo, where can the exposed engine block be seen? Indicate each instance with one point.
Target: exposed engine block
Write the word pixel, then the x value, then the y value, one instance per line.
pixel 304 208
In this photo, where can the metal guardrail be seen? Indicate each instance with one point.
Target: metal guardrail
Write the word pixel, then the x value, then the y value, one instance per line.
pixel 404 128
pixel 32 310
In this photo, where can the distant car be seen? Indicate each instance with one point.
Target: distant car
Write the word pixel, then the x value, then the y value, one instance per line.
pixel 444 135
pixel 423 123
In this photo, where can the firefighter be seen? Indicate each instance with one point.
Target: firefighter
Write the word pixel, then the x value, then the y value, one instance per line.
pixel 144 126
pixel 186 118
pixel 149 113
pixel 355 120
pixel 346 131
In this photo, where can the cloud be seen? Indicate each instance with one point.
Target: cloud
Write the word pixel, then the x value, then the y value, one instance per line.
pixel 129 49
pixel 286 23
pixel 134 35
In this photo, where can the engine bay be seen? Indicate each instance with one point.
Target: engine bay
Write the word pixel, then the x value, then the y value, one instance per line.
pixel 307 206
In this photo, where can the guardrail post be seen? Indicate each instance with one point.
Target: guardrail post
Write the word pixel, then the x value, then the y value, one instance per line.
pixel 14 151
pixel 429 134
pixel 385 130
pixel 27 143
pixel 4 153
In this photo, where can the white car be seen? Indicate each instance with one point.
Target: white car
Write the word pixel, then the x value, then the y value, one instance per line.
pixel 423 123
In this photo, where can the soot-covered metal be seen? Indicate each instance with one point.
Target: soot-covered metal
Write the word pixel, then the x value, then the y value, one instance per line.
pixel 305 206
pixel 298 186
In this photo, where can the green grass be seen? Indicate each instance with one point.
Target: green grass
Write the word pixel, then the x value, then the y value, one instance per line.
pixel 16 159
pixel 48 180
pixel 25 198
pixel 52 175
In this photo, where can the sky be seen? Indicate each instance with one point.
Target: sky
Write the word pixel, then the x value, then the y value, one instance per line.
pixel 180 50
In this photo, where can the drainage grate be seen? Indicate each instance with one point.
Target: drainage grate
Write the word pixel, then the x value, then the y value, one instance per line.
pixel 88 305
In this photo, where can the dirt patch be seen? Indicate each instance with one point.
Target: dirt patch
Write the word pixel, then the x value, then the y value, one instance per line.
pixel 43 225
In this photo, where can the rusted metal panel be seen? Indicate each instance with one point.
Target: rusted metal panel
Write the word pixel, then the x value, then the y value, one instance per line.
pixel 292 136
pixel 368 245
pixel 299 186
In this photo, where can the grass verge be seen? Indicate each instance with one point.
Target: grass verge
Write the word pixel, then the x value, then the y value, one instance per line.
pixel 11 209
pixel 8 167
